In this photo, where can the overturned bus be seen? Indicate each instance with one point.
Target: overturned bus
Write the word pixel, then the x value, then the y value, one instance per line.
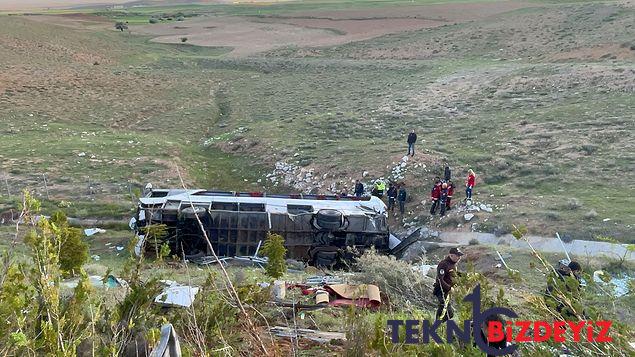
pixel 318 229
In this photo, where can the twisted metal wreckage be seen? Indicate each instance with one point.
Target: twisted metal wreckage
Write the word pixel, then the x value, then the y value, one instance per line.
pixel 319 229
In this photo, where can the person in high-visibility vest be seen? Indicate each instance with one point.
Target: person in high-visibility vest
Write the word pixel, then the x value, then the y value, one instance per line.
pixel 380 188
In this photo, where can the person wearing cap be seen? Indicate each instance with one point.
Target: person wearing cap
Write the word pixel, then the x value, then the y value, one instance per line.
pixel 446 273
pixel 563 290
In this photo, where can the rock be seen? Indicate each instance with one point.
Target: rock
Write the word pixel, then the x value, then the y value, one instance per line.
pixel 414 252
pixel 365 173
pixel 468 216
pixel 485 208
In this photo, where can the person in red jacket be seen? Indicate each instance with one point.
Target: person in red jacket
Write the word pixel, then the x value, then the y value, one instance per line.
pixel 435 194
pixel 450 193
pixel 469 183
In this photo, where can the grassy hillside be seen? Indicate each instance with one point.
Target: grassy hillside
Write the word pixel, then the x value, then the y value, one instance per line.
pixel 538 101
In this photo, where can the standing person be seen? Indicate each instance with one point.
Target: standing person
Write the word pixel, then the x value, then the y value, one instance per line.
pixel 359 189
pixel 446 273
pixel 443 198
pixel 412 139
pixel 448 204
pixel 392 195
pixel 469 184
pixel 447 173
pixel 379 189
pixel 435 194
pixel 401 198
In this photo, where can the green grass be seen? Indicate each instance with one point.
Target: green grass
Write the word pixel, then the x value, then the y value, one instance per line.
pixel 345 111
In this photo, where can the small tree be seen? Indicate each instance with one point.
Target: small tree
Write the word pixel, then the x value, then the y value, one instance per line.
pixel 121 26
pixel 74 251
pixel 274 250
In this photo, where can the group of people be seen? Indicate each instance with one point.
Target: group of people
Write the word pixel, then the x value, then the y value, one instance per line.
pixel 396 193
pixel 443 190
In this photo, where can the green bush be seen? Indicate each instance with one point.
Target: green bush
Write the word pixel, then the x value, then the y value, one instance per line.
pixel 74 251
pixel 274 250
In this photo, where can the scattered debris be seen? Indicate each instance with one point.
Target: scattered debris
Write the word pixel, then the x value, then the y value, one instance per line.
pixel 91 231
pixel 468 216
pixel 279 290
pixel 619 286
pixel 176 295
pixel 606 219
pixel 323 280
pixel 95 257
pixel 363 295
pixel 393 241
pixel 313 335
pixel 169 345
pixel 425 269
pixel 97 281
pixel 208 260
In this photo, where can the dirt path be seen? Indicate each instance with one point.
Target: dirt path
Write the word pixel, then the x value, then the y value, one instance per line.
pixel 576 247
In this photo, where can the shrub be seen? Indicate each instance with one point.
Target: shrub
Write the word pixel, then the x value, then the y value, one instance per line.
pixel 473 241
pixel 574 204
pixel 153 20
pixel 121 26
pixel 74 251
pixel 403 284
pixel 592 214
pixel 274 249
pixel 183 39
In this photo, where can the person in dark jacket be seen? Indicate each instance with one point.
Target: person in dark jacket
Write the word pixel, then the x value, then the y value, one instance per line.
pixel 565 282
pixel 401 198
pixel 446 273
pixel 435 194
pixel 447 173
pixel 392 196
pixel 359 189
pixel 412 139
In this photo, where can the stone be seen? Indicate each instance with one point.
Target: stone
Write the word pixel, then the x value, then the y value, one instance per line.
pixel 468 216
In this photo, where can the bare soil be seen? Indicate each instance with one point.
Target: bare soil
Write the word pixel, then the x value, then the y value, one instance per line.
pixel 250 35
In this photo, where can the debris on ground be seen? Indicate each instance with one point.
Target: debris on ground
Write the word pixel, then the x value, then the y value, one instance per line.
pixel 468 216
pixel 176 294
pixel 618 286
pixel 279 290
pixel 425 269
pixel 314 335
pixel 91 231
pixel 97 281
pixel 323 280
pixel 363 295
pixel 169 345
